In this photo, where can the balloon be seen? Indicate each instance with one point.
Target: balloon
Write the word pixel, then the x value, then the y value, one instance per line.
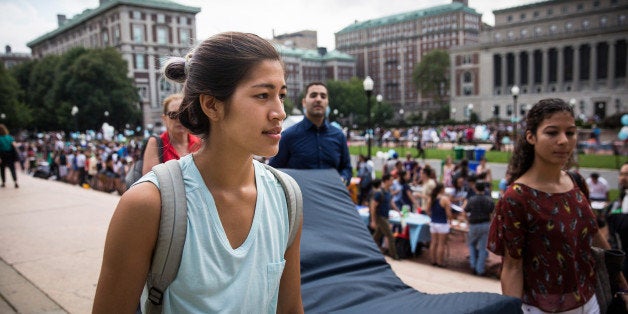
pixel 623 133
pixel 624 119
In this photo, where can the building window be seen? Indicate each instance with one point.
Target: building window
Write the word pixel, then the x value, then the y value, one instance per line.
pixel 105 38
pixel 139 62
pixel 510 18
pixel 116 35
pixel 162 35
pixel 142 92
pixel 511 35
pixel 161 18
pixel 550 12
pixel 137 15
pixel 596 4
pixel 538 30
pixel 467 77
pixel 522 16
pixel 164 86
pixel 184 36
pixel 467 83
pixel 585 24
pixel 138 34
pixel 603 21
pixel 535 14
pixel 553 29
pixel 568 26
pixel 183 20
pixel 524 33
pixel 580 7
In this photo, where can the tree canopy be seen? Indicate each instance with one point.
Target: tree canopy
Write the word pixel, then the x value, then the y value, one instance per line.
pixel 350 100
pixel 13 112
pixel 93 80
pixel 431 75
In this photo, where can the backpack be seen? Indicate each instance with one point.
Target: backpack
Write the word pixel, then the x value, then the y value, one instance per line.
pixel 135 173
pixel 173 226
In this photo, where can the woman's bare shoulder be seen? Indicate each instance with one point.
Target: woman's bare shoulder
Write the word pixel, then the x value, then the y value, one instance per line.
pixel 142 199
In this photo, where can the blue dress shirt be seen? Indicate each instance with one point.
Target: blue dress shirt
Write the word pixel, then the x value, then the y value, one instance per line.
pixel 305 146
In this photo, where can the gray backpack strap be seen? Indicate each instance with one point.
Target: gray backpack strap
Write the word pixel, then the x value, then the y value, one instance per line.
pixel 294 199
pixel 172 231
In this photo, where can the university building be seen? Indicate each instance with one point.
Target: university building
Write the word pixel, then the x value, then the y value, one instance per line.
pixel 143 31
pixel 388 48
pixel 574 50
pixel 305 62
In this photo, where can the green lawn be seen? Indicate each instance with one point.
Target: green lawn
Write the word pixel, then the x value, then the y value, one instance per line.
pixel 586 161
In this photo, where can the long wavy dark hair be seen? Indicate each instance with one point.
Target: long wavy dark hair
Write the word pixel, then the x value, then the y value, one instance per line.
pixel 523 154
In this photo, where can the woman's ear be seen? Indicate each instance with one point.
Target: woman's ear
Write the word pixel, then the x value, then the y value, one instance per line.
pixel 530 138
pixel 211 107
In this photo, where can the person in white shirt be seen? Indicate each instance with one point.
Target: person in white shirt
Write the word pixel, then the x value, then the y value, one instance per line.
pixel 598 187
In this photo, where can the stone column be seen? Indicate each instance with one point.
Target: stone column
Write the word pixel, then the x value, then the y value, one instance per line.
pixel 593 66
pixel 610 80
pixel 530 70
pixel 504 87
pixel 560 59
pixel 545 69
pixel 576 67
pixel 517 68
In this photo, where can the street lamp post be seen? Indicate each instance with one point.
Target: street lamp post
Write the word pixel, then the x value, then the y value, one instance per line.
pixel 515 93
pixel 368 89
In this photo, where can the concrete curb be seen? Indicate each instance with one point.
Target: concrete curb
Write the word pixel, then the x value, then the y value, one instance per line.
pixel 19 295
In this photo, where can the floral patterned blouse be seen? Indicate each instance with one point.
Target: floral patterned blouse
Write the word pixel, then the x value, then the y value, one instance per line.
pixel 552 233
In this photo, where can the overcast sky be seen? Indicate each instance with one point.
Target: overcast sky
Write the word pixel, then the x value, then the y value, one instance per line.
pixel 22 21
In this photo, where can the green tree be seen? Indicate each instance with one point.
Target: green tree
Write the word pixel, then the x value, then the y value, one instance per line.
pixel 39 96
pixel 21 72
pixel 349 98
pixel 96 81
pixel 382 113
pixel 13 113
pixel 430 76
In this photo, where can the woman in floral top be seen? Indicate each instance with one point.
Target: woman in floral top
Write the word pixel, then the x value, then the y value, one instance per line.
pixel 544 227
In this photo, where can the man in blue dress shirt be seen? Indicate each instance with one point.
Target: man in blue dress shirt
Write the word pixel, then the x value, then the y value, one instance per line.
pixel 313 143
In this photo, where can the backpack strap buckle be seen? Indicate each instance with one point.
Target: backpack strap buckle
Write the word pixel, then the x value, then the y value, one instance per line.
pixel 155 296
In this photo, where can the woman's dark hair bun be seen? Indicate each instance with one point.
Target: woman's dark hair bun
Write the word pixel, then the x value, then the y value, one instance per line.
pixel 174 69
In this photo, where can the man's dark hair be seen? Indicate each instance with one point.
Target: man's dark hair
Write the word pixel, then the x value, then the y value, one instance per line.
pixel 313 84
pixel 480 186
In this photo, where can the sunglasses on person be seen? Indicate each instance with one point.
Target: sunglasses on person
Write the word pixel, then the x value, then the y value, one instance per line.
pixel 172 115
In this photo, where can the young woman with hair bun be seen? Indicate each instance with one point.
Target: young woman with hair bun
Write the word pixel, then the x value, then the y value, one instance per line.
pixel 236 257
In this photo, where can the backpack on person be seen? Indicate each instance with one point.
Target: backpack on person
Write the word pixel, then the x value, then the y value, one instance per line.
pixel 135 173
pixel 173 227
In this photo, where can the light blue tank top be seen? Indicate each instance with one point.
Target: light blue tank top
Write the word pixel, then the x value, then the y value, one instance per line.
pixel 214 277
